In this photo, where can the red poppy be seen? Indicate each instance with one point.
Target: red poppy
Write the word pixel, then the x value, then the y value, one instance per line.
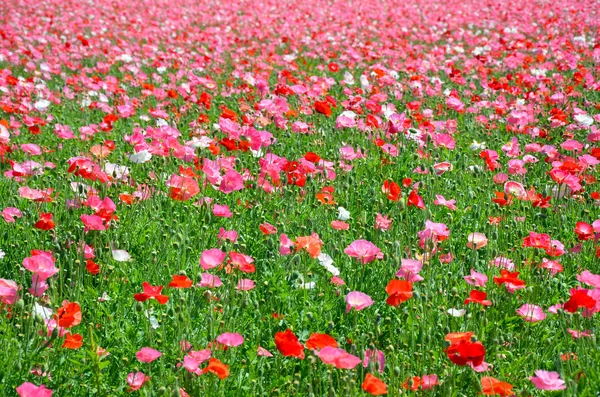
pixel 180 281
pixel 463 350
pixel 374 385
pixel 415 200
pixel 579 298
pixel 318 341
pixel 45 222
pixel 493 387
pixel 323 108
pixel 412 383
pixel 218 368
pixel 399 291
pixel 72 341
pixel 92 267
pixel 392 190
pixel 312 157
pixel 478 297
pixel 69 315
pixel 287 343
pixel 151 292
pixel 267 228
pixel 509 277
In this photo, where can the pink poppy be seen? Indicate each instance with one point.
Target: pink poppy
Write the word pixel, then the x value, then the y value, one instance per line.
pixel 428 382
pixel 531 313
pixel 589 278
pixel 8 291
pixel 222 211
pixel 245 284
pixel 261 351
pixel 382 222
pixel 212 258
pixel 10 213
pixel 364 250
pixel 477 241
pixel 477 279
pixel 409 270
pixel 232 181
pixel 358 300
pixel 136 380
pixel 210 281
pixel 230 339
pixel 92 222
pixel 147 354
pixel 41 266
pixel 338 357
pixel 28 389
pixel 545 380
pixel 340 225
pixel 440 200
pixel 230 235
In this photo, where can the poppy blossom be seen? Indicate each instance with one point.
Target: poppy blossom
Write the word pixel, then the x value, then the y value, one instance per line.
pixel 357 300
pixel 338 358
pixel 218 368
pixel 364 250
pixel 28 389
pixel 72 341
pixel 545 380
pixel 151 292
pixel 399 291
pixel 45 222
pixel 136 380
pixel 318 341
pixel 147 354
pixel 180 281
pixel 579 298
pixel 230 339
pixel 69 315
pixel 476 296
pixel 287 343
pixel 493 387
pixel 374 386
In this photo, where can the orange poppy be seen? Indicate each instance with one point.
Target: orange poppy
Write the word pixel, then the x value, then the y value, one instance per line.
pixel 374 385
pixel 493 387
pixel 218 368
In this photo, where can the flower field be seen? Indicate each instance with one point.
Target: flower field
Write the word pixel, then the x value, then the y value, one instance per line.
pixel 282 198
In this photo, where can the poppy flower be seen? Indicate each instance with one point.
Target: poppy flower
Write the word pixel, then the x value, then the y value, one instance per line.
pixel 318 341
pixel 74 341
pixel 399 291
pixel 69 315
pixel 28 389
pixel 312 244
pixel 476 241
pixel 323 108
pixel 579 298
pixel 338 358
pixel 364 250
pixel 92 267
pixel 478 297
pixel 147 354
pixel 545 380
pixel 45 222
pixel 287 343
pixel 8 291
pixel 493 387
pixel 180 281
pixel 463 350
pixel 218 368
pixel 416 200
pixel 230 339
pixel 584 231
pixel 392 190
pixel 267 228
pixel 136 380
pixel 151 292
pixel 357 300
pixel 531 313
pixel 374 386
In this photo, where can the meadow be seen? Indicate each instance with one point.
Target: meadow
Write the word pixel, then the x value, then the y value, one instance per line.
pixel 282 198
